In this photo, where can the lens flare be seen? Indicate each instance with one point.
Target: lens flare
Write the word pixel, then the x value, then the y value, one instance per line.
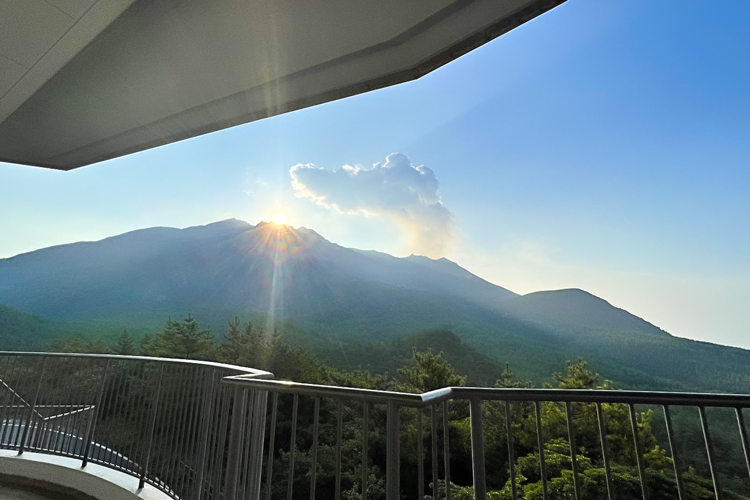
pixel 279 218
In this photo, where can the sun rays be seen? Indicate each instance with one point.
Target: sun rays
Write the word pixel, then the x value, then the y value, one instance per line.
pixel 279 218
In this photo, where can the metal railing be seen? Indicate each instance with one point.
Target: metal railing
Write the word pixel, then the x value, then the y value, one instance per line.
pixel 436 406
pixel 168 422
pixel 201 430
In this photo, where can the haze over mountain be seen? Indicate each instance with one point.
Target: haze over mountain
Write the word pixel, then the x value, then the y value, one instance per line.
pixel 338 299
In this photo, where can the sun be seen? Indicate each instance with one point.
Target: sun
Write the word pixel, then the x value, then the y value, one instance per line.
pixel 279 218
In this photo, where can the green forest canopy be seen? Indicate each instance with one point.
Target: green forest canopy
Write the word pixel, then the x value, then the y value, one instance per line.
pixel 246 344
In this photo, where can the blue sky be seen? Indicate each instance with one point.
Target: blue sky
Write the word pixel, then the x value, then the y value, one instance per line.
pixel 605 146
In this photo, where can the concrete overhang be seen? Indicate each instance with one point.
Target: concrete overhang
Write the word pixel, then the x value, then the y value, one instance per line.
pixel 82 81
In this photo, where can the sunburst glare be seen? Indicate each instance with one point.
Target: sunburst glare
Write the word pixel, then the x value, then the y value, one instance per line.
pixel 279 218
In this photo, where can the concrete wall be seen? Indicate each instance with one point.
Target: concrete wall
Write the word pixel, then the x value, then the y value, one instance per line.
pixel 96 481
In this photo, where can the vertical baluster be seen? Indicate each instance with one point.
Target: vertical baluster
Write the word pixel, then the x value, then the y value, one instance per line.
pixel 78 420
pixel 292 448
pixel 271 445
pixel 97 452
pixel 152 428
pixel 134 378
pixel 8 423
pixel 446 451
pixel 573 449
pixel 21 407
pixel 203 450
pixel 420 456
pixel 27 373
pixel 179 437
pixel 257 443
pixel 638 452
pixel 169 437
pixel 314 458
pixel 192 433
pixel 21 403
pixel 743 437
pixel 61 441
pixel 435 483
pixel 145 382
pixel 214 462
pixel 393 453
pixel 511 453
pixel 94 452
pixel 339 430
pixel 219 461
pixel 117 390
pixel 710 452
pixel 605 450
pixel 236 440
pixel 44 404
pixel 32 409
pixel 365 443
pixel 540 444
pixel 53 410
pixel 246 445
pixel 478 467
pixel 5 392
pixel 126 449
pixel 91 427
pixel 182 405
pixel 119 456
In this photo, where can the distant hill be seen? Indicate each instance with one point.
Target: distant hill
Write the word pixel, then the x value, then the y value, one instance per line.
pixel 24 332
pixel 341 301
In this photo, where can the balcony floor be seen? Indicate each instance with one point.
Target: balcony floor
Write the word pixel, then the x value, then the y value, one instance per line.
pixel 21 493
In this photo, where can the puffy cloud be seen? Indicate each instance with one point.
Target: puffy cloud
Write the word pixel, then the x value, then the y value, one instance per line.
pixel 396 189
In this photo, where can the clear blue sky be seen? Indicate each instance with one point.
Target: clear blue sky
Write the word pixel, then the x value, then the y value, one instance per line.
pixel 605 146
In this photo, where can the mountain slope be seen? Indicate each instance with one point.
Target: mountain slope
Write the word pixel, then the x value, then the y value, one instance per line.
pixel 229 264
pixel 575 311
pixel 23 332
pixel 345 301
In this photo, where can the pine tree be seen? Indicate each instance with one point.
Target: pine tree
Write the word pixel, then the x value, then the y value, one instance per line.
pixel 233 345
pixel 182 339
pixel 243 346
pixel 125 344
pixel 430 372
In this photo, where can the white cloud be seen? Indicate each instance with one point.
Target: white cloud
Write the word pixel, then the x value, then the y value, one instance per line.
pixel 407 194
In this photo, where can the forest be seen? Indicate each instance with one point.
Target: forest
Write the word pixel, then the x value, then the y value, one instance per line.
pixel 246 344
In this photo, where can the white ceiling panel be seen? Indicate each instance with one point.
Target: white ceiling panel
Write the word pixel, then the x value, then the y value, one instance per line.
pixel 166 70
pixel 28 28
pixel 10 72
pixel 73 8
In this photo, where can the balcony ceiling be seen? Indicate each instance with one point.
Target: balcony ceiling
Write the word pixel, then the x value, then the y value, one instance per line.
pixel 83 81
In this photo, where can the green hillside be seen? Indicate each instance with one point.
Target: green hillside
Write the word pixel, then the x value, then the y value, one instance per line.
pixel 351 308
pixel 25 332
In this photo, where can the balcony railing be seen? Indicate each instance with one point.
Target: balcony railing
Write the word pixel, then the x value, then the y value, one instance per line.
pixel 164 421
pixel 200 430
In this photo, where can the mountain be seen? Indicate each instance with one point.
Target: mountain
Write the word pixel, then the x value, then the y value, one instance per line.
pixel 344 303
pixel 24 332
pixel 575 311
pixel 229 264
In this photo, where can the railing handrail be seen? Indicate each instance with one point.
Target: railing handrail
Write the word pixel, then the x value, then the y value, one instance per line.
pixel 498 393
pixel 249 373
pixel 604 396
pixel 288 387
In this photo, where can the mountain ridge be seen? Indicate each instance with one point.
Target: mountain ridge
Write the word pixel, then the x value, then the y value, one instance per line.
pixel 340 296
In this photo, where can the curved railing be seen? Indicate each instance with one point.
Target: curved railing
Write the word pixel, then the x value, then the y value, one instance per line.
pixel 200 430
pixel 167 422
